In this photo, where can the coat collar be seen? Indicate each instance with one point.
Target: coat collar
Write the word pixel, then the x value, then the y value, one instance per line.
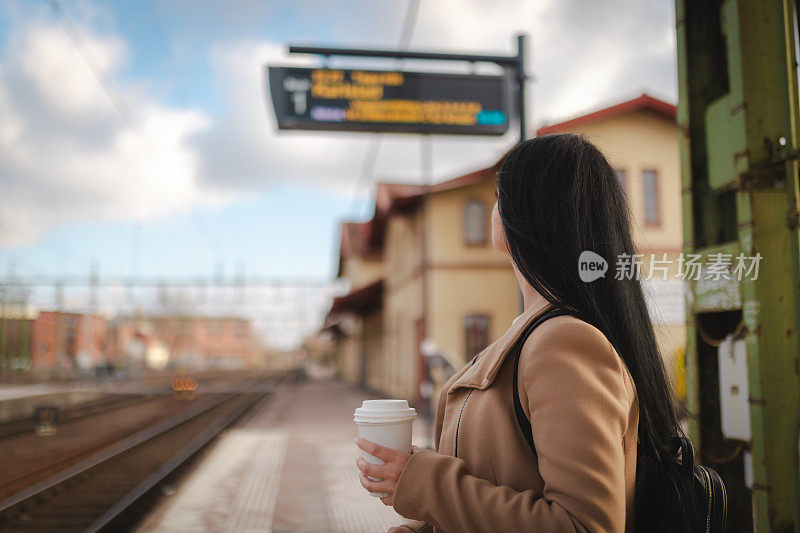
pixel 481 374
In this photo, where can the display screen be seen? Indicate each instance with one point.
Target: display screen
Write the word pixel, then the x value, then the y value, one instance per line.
pixel 389 101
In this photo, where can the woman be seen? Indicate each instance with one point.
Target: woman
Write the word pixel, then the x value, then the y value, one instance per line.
pixel 592 387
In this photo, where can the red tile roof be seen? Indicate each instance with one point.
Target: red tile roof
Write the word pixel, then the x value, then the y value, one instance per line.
pixel 388 195
pixel 353 239
pixel 643 102
pixel 358 300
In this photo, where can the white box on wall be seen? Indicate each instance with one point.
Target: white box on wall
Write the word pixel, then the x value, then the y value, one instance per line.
pixel 734 390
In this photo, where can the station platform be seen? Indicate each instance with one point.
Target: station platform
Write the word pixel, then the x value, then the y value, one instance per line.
pixel 14 392
pixel 288 467
pixel 19 401
pixel 9 392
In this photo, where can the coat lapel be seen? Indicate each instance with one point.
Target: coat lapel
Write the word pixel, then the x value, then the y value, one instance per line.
pixel 482 373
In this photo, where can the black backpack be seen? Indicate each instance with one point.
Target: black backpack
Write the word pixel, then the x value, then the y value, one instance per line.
pixel 656 505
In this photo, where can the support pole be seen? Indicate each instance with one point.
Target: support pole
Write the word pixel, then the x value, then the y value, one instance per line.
pixel 426 170
pixel 521 77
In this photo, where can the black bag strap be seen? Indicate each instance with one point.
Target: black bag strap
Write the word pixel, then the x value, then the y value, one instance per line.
pixel 524 424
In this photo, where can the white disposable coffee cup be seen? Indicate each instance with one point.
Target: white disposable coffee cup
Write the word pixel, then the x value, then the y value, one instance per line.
pixel 387 423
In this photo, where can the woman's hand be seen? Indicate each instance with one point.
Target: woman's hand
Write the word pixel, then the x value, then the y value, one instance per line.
pixel 388 473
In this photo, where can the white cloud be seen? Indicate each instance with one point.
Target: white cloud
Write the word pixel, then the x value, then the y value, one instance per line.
pixel 49 60
pixel 65 152
pixel 242 151
pixel 67 155
pixel 589 54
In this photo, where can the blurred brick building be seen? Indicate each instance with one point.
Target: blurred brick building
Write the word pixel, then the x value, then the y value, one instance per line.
pixel 53 340
pixel 191 342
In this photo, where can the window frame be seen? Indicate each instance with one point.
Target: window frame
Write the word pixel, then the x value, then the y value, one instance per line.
pixel 622 177
pixel 483 241
pixel 466 324
pixel 657 194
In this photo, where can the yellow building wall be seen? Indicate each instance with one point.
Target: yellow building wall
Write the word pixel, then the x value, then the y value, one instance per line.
pixel 638 141
pixel 403 305
pixel 403 309
pixel 361 271
pixel 634 142
pixel 351 351
pixel 372 339
pixel 466 279
pixel 402 249
pixel 456 293
pixel 385 339
pixel 445 221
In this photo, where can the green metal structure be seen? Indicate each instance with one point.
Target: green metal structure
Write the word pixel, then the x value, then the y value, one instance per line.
pixel 737 118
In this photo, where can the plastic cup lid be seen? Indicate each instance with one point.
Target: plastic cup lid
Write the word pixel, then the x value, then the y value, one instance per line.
pixel 383 411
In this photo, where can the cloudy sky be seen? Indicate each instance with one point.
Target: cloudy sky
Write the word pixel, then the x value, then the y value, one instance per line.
pixel 136 135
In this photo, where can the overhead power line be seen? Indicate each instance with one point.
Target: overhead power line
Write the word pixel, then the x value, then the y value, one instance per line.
pixel 376 140
pixel 105 83
pixel 115 97
pixel 408 24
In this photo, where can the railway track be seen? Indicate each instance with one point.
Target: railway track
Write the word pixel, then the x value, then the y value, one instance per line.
pixel 109 490
pixel 28 459
pixel 22 425
pixel 158 384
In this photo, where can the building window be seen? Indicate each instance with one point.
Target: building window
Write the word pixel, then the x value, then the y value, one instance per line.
pixel 475 222
pixel 476 332
pixel 652 213
pixel 620 172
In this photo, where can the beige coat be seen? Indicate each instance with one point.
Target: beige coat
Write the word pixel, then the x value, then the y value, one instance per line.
pixel 583 408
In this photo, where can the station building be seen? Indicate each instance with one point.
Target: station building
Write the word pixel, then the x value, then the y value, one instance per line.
pixel 422 268
pixel 426 283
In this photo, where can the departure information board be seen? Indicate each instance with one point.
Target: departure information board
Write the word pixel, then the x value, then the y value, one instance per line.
pixel 389 101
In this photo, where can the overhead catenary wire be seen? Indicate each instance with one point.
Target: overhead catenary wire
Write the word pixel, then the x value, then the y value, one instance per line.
pixel 119 103
pixel 409 22
pixel 105 83
pixel 277 329
pixel 376 140
pixel 368 166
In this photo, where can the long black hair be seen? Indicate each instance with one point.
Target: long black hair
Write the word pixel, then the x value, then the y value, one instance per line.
pixel 557 197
